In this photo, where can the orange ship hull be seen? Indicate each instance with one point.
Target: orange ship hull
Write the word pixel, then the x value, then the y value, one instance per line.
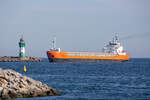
pixel 55 56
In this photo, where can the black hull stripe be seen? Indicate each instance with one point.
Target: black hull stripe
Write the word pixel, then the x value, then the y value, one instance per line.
pixel 84 60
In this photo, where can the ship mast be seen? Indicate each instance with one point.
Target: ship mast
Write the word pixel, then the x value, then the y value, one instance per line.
pixel 116 37
pixel 54 43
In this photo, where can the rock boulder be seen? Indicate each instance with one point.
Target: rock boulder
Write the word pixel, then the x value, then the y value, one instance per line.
pixel 16 85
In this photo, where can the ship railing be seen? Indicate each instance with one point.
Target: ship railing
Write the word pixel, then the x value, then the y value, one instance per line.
pixel 91 54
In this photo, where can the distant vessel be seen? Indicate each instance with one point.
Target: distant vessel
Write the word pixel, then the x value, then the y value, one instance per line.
pixel 113 52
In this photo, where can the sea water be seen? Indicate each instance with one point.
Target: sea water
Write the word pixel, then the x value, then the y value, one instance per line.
pixel 90 81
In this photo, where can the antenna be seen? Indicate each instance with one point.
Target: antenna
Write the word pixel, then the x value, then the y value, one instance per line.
pixel 54 43
pixel 116 37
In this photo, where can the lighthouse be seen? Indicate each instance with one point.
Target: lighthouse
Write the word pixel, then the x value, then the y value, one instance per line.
pixel 22 48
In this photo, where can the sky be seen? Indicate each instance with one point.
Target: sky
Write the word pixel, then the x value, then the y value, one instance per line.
pixel 78 25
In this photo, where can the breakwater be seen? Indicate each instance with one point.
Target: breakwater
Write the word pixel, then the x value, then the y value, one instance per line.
pixel 17 59
pixel 16 85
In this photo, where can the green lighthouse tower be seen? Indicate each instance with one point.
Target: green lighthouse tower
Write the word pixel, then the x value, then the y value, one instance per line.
pixel 22 48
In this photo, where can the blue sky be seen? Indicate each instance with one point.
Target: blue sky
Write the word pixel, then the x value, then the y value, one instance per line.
pixel 79 25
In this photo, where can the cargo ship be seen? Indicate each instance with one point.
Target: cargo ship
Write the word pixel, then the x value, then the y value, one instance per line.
pixel 112 52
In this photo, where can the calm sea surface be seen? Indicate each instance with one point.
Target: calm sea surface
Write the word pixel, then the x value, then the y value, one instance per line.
pixel 90 81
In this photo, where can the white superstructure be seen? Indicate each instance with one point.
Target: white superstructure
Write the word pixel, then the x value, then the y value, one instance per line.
pixel 114 46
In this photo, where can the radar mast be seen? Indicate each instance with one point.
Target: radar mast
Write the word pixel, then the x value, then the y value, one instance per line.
pixel 54 45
